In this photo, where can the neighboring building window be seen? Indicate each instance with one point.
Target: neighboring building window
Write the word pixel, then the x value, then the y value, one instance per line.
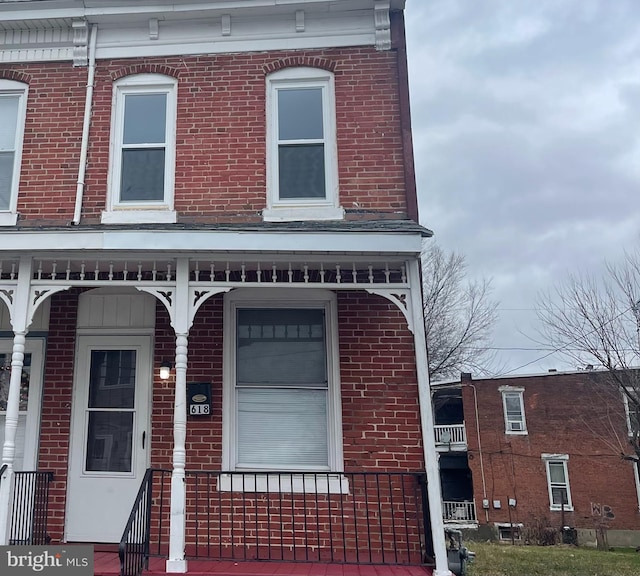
pixel 13 106
pixel 302 171
pixel 513 405
pixel 508 532
pixel 282 401
pixel 558 481
pixel 633 415
pixel 143 154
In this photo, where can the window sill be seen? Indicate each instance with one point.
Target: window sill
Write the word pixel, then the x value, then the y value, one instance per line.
pixel 139 216
pixel 291 213
pixel 296 483
pixel 517 432
pixel 559 508
pixel 8 218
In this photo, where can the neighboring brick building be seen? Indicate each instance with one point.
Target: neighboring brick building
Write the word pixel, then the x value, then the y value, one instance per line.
pixel 227 187
pixel 542 451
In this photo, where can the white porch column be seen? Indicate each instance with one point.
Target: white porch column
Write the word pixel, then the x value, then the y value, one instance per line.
pixel 181 323
pixel 19 315
pixel 426 418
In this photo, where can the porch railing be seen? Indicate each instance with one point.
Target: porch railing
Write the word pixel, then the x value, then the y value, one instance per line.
pixel 348 518
pixel 30 509
pixel 459 511
pixel 135 542
pixel 447 434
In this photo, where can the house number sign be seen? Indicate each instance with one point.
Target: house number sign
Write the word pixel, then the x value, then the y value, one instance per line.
pixel 199 395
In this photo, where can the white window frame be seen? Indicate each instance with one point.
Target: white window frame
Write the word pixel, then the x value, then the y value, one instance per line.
pixel 627 414
pixel 330 478
pixel 558 459
pixel 9 217
pixel 508 424
pixel 118 212
pixel 288 209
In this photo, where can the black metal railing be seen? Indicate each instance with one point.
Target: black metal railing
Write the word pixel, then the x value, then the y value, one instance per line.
pixel 30 509
pixel 134 545
pixel 349 518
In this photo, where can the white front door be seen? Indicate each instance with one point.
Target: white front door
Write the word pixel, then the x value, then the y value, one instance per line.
pixel 109 435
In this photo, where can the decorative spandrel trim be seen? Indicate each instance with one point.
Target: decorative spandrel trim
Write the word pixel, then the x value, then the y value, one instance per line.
pixel 198 296
pixel 37 295
pixel 165 294
pixel 383 25
pixel 401 298
pixel 6 295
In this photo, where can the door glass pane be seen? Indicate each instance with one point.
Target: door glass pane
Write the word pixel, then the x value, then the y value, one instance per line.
pixel 145 117
pixel 109 440
pixel 142 175
pixel 112 379
pixel 300 114
pixel 281 347
pixel 301 171
pixel 5 378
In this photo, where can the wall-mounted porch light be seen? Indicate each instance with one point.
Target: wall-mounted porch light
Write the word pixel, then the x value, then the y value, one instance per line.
pixel 165 370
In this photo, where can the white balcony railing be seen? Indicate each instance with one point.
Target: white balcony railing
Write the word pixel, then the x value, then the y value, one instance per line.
pixel 459 511
pixel 450 434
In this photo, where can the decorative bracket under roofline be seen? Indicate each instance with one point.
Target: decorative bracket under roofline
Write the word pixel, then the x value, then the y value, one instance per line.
pixel 382 21
pixel 80 42
pixel 401 298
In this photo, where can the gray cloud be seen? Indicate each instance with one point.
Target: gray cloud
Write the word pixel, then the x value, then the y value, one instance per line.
pixel 527 136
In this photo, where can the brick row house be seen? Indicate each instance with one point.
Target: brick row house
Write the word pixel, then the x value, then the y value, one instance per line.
pixel 210 319
pixel 524 458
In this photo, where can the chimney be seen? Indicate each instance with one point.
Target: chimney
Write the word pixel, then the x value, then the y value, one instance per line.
pixel 465 377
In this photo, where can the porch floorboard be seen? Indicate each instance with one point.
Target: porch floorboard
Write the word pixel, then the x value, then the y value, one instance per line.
pixel 108 564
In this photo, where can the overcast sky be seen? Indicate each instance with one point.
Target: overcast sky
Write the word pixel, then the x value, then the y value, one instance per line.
pixel 526 127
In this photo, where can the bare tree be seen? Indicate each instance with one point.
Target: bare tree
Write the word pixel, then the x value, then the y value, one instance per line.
pixel 459 316
pixel 595 322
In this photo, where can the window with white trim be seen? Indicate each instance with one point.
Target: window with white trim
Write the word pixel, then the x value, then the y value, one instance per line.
pixel 142 163
pixel 632 414
pixel 513 406
pixel 302 153
pixel 558 481
pixel 282 395
pixel 13 108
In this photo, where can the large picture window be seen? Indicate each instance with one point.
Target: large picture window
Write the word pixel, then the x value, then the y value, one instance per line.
pixel 13 102
pixel 282 398
pixel 143 153
pixel 301 147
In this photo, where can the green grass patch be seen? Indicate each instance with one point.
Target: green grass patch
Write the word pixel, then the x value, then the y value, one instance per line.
pixel 506 560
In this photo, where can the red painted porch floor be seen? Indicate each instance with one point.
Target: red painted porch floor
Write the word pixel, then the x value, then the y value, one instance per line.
pixel 107 564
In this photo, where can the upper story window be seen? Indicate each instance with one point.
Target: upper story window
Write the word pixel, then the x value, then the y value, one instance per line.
pixel 302 163
pixel 142 165
pixel 513 405
pixel 558 481
pixel 632 413
pixel 13 106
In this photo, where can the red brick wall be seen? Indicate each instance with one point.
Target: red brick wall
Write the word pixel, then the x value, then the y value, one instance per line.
pixel 220 163
pixel 565 414
pixel 381 423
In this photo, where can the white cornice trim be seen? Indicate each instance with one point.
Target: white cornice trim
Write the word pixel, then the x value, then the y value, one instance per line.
pixel 206 240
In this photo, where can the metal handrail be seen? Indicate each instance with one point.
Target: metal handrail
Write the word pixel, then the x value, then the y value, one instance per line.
pixel 133 550
pixel 30 509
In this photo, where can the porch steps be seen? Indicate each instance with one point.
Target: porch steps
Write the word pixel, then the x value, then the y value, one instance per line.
pixel 107 564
